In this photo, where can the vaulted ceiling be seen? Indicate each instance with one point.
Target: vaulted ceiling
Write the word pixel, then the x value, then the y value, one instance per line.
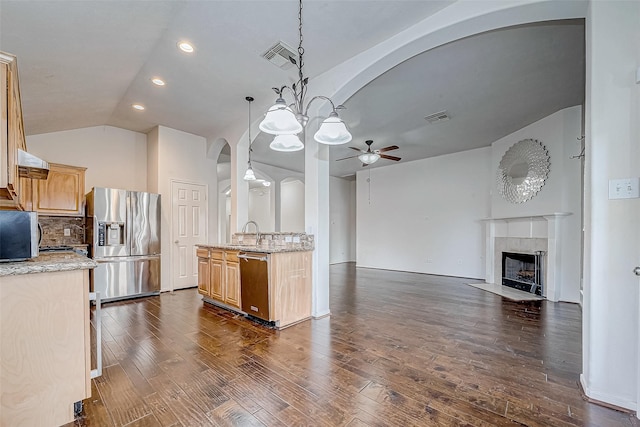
pixel 85 63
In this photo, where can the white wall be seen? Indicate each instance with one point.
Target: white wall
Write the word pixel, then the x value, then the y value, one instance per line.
pixel 292 205
pixel 425 216
pixel 114 157
pixel 180 156
pixel 342 220
pixel 559 134
pixel 612 240
pixel 260 209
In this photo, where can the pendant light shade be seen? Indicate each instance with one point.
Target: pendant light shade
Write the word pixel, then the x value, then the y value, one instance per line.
pixel 369 158
pixel 286 143
pixel 249 175
pixel 333 131
pixel 279 120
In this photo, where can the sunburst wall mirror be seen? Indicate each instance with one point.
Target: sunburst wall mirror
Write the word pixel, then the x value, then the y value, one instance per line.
pixel 523 170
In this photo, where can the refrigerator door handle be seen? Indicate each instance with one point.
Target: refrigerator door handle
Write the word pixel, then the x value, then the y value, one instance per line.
pixel 95 296
pixel 127 258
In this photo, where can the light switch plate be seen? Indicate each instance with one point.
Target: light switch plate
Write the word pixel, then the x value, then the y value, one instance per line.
pixel 67 232
pixel 626 188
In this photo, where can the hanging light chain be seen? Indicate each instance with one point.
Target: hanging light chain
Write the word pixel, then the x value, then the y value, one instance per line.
pixel 249 101
pixel 301 80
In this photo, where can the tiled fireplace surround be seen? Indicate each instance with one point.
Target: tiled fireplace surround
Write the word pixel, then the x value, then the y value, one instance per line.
pixel 526 234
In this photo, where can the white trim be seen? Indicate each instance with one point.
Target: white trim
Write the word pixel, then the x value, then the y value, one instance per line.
pixel 605 397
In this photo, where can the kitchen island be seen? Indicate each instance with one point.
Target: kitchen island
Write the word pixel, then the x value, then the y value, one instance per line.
pixel 270 283
pixel 44 339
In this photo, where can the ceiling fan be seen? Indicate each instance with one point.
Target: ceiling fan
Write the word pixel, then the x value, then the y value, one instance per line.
pixel 369 156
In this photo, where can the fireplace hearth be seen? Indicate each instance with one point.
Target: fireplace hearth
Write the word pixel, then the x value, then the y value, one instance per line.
pixel 523 271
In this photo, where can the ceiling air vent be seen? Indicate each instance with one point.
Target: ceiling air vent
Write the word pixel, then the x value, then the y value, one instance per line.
pixel 279 54
pixel 440 116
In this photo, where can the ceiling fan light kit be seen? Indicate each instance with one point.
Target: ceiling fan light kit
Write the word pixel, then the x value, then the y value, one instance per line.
pixel 288 120
pixel 369 158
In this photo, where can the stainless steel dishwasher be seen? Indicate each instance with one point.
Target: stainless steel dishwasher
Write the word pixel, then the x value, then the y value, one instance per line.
pixel 254 282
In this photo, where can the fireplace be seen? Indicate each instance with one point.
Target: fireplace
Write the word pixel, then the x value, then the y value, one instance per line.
pixel 523 271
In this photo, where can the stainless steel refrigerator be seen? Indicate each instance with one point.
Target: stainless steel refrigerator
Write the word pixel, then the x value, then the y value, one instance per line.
pixel 123 231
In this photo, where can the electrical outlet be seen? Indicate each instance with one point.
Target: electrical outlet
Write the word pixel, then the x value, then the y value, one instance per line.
pixel 67 232
pixel 626 188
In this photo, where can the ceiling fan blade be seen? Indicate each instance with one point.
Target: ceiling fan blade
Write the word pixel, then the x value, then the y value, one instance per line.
pixel 389 148
pixel 355 148
pixel 345 158
pixel 384 156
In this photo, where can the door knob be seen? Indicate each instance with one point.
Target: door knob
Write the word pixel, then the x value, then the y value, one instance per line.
pixel 637 271
pixel 176 242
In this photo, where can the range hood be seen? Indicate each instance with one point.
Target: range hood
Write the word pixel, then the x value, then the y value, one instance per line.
pixel 30 166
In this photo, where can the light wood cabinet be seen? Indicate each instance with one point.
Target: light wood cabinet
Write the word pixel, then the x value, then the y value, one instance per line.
pixel 289 282
pixel 44 347
pixel 204 283
pixel 232 288
pixel 290 287
pixel 12 135
pixel 217 279
pixel 219 276
pixel 61 194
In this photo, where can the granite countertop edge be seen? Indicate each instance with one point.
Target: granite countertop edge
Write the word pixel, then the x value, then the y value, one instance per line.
pixel 247 248
pixel 48 263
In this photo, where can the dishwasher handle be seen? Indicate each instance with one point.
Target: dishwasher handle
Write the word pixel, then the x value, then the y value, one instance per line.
pixel 254 257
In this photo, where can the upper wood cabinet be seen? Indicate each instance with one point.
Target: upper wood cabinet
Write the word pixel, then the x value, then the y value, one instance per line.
pixel 61 194
pixel 12 135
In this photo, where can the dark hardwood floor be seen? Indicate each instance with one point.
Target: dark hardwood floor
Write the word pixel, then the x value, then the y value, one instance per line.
pixel 399 349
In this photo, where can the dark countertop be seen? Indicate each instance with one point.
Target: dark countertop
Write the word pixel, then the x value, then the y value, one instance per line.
pixel 260 249
pixel 47 262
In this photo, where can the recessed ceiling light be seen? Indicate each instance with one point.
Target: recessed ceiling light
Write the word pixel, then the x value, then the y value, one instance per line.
pixel 138 107
pixel 185 47
pixel 157 81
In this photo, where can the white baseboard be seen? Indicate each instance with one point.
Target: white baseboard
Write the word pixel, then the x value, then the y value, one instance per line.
pixel 606 397
pixel 321 314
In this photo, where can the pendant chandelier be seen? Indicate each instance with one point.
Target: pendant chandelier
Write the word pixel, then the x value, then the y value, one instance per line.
pixel 286 121
pixel 249 175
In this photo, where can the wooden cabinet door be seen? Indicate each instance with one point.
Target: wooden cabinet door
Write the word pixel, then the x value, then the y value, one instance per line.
pixel 216 272
pixel 12 135
pixel 232 294
pixel 204 279
pixel 62 193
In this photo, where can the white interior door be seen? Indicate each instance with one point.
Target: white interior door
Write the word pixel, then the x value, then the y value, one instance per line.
pixel 188 228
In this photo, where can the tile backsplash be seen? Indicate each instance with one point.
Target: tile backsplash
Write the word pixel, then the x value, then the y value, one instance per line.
pixel 53 230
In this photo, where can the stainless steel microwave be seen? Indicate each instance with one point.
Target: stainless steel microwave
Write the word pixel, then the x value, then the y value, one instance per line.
pixel 19 235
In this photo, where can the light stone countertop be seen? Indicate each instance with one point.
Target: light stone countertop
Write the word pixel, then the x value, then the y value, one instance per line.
pixel 48 262
pixel 260 249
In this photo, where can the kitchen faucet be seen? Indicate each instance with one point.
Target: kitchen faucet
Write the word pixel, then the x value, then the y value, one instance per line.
pixel 244 230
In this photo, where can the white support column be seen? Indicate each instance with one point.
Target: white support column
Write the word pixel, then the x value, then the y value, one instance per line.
pixel 239 187
pixel 277 202
pixel 552 285
pixel 316 219
pixel 490 251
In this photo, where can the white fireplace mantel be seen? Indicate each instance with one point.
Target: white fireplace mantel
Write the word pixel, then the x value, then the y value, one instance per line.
pixel 540 228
